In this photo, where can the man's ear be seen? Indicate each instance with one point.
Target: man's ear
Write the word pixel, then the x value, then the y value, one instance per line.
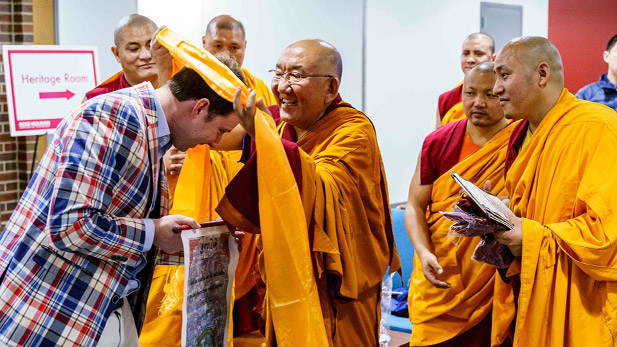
pixel 494 56
pixel 333 87
pixel 203 41
pixel 544 72
pixel 605 56
pixel 114 50
pixel 201 108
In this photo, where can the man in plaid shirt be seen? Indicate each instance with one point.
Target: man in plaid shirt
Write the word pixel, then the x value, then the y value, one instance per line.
pixel 96 204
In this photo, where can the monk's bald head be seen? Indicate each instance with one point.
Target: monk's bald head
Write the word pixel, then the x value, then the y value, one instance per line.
pixel 532 51
pixel 324 55
pixel 132 21
pixel 225 34
pixel 306 81
pixel 224 22
pixel 485 39
pixel 477 48
pixel 487 67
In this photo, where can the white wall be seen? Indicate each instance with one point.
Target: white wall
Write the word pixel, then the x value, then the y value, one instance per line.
pixel 92 23
pixel 271 26
pixel 413 55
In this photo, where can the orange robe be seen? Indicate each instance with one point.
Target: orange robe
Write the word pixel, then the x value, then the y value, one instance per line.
pixel 438 314
pixel 562 184
pixel 339 169
pixel 454 114
pixel 195 193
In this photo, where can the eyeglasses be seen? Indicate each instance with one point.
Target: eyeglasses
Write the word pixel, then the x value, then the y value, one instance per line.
pixel 292 77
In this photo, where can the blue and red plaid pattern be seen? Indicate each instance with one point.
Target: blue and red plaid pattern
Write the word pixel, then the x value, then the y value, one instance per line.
pixel 68 250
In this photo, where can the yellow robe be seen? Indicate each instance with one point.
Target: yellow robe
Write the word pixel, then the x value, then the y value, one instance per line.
pixel 195 193
pixel 437 314
pixel 344 190
pixel 454 113
pixel 563 185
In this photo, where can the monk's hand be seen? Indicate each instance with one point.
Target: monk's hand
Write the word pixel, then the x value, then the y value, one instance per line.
pixel 246 115
pixel 237 234
pixel 512 238
pixel 162 58
pixel 431 269
pixel 165 238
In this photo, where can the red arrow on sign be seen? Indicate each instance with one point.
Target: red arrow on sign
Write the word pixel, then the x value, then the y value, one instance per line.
pixel 56 95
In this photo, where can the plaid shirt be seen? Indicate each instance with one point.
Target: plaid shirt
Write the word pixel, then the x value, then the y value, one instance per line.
pixel 72 243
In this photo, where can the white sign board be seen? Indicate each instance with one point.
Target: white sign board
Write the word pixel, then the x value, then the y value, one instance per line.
pixel 45 83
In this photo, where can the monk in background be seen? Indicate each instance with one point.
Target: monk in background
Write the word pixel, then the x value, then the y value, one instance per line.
pixel 333 152
pixel 477 48
pixel 561 166
pixel 197 181
pixel 451 296
pixel 132 50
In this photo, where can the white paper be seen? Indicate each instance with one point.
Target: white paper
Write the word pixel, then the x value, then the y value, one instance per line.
pixel 210 260
pixel 489 203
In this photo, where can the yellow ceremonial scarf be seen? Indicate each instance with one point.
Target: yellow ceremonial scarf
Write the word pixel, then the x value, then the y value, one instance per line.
pixel 437 314
pixel 195 193
pixel 562 184
pixel 292 300
pixel 338 179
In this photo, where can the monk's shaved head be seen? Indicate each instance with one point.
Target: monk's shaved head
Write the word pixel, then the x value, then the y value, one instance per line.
pixel 325 55
pixel 485 38
pixel 224 22
pixel 485 67
pixel 132 21
pixel 531 51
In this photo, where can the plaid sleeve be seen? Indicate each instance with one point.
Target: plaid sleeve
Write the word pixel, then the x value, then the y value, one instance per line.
pixel 101 186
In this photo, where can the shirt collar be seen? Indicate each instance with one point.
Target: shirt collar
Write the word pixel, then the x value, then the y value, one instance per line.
pixel 162 127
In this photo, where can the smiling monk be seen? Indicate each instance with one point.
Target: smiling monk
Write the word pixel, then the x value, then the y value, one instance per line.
pixel 451 296
pixel 132 50
pixel 560 177
pixel 477 48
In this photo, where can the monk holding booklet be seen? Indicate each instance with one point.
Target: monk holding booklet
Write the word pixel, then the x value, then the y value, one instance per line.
pixel 561 168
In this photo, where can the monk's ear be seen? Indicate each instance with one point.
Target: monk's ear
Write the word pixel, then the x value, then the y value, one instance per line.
pixel 333 86
pixel 114 50
pixel 494 56
pixel 203 41
pixel 544 73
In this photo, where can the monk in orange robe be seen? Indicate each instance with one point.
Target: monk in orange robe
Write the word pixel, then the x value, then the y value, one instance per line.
pixel 132 50
pixel 197 182
pixel 333 152
pixel 560 177
pixel 451 296
pixel 477 48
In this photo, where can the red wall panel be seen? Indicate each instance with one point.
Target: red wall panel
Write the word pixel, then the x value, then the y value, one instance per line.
pixel 580 29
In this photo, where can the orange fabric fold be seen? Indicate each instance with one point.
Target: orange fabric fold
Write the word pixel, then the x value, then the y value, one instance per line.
pixel 437 314
pixel 454 114
pixel 562 184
